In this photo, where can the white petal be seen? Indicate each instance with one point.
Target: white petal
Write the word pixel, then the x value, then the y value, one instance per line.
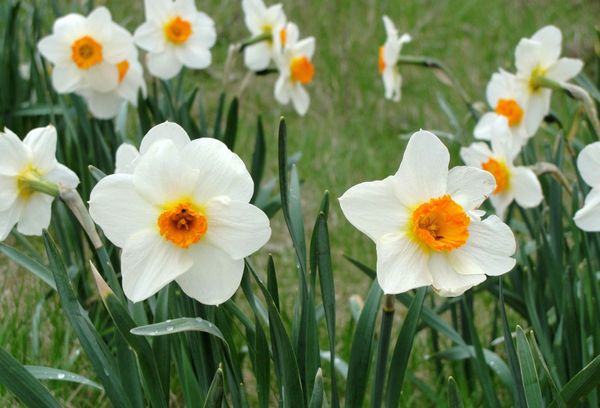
pixel 14 155
pixel 470 186
pixel 489 120
pixel 254 14
pixel 391 83
pixel 54 49
pixel 300 99
pixel 184 7
pixel 150 37
pixel 99 22
pixel 35 214
pixel 564 69
pixel 305 47
pixel 193 55
pixel 488 250
pixel 42 142
pixel 119 46
pixel 104 105
pixel 550 38
pixel 423 171
pixel 8 219
pixel 526 187
pixel 537 108
pixel 214 277
pixel 119 210
pixel 221 172
pixel 163 64
pixel 149 262
pixel 588 217
pixel 374 209
pixel 476 154
pixel 238 228
pixel 203 30
pixel 498 88
pixel 165 131
pixel 401 264
pixel 9 192
pixel 126 159
pixel 282 90
pixel 63 176
pixel 156 10
pixel 501 201
pixel 527 56
pixel 446 281
pixel 390 28
pixel 103 77
pixel 588 163
pixel 257 56
pixel 66 77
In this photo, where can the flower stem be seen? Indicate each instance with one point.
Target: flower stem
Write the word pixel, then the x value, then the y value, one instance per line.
pixel 39 185
pixel 387 319
pixel 254 40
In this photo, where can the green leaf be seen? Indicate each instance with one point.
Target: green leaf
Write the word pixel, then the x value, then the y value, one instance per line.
pixel 49 373
pixel 97 174
pixel 216 393
pixel 30 264
pixel 179 325
pixel 218 119
pixel 584 382
pixel 316 400
pixel 454 400
pixel 231 125
pixel 258 157
pixel 531 383
pixel 16 378
pixel 262 365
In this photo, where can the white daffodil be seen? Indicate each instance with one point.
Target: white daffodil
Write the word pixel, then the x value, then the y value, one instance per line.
pixel 508 101
pixel 85 51
pixel 389 53
pixel 175 35
pixel 106 105
pixel 538 56
pixel 26 168
pixel 182 214
pixel 425 224
pixel 295 68
pixel 512 182
pixel 262 21
pixel 588 163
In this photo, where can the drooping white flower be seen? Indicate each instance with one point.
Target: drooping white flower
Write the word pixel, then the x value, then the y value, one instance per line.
pixel 182 214
pixel 85 51
pixel 106 105
pixel 389 53
pixel 262 21
pixel 539 56
pixel 425 225
pixel 507 99
pixel 175 35
pixel 295 68
pixel 588 164
pixel 516 183
pixel 22 163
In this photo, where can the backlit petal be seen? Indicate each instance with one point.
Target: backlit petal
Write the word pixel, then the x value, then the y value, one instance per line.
pixel 470 186
pixel 588 164
pixel 446 281
pixel 35 214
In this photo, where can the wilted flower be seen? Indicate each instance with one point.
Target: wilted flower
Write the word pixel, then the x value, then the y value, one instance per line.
pixel 536 57
pixel 425 224
pixel 588 163
pixel 389 53
pixel 508 102
pixel 182 214
pixel 175 34
pixel 26 168
pixel 262 21
pixel 295 68
pixel 85 51
pixel 512 182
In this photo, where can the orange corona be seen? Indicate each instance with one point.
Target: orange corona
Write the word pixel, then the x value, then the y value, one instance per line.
pixel 123 68
pixel 182 224
pixel 441 224
pixel 86 52
pixel 178 30
pixel 511 110
pixel 381 61
pixel 500 173
pixel 302 70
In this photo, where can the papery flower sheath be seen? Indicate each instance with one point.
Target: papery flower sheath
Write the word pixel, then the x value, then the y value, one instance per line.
pixel 262 20
pixel 22 163
pixel 86 51
pixel 588 164
pixel 175 35
pixel 425 223
pixel 539 56
pixel 513 183
pixel 389 53
pixel 180 213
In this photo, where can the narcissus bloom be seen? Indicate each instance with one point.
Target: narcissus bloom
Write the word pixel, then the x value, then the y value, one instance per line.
pixel 295 68
pixel 106 105
pixel 180 213
pixel 512 183
pixel 588 164
pixel 23 163
pixel 538 56
pixel 175 34
pixel 508 102
pixel 262 21
pixel 85 51
pixel 389 53
pixel 425 223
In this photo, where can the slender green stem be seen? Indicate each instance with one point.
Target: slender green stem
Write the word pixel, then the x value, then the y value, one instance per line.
pixel 387 318
pixel 254 40
pixel 39 185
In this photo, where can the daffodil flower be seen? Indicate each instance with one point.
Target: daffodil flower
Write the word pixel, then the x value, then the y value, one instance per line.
pixel 262 21
pixel 536 57
pixel 513 183
pixel 425 223
pixel 295 68
pixel 588 164
pixel 106 105
pixel 508 102
pixel 85 51
pixel 181 214
pixel 389 53
pixel 175 35
pixel 30 178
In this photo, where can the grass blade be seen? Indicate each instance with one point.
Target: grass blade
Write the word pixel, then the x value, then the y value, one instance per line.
pixel 216 393
pixel 531 383
pixel 454 400
pixel 49 373
pixel 30 264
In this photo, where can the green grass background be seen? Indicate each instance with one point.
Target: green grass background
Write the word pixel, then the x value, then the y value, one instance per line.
pixel 350 134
